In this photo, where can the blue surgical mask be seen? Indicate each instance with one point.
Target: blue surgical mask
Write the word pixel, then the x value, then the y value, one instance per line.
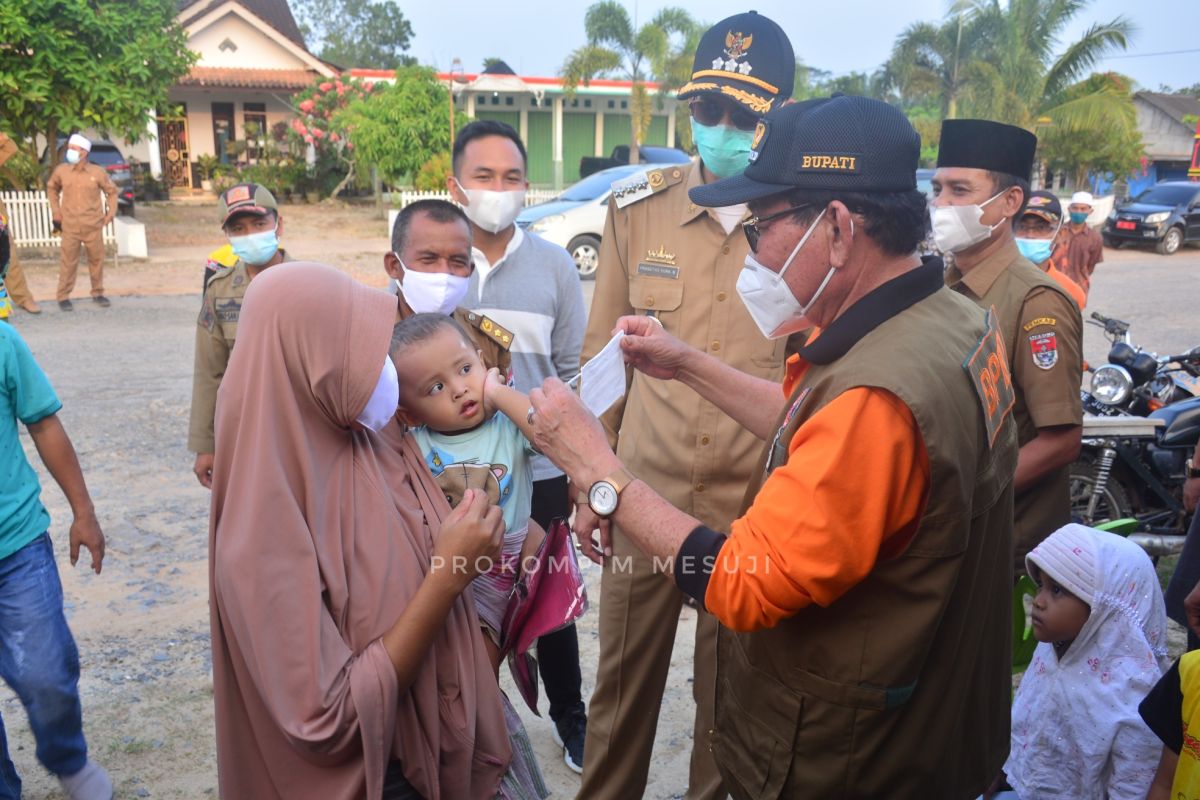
pixel 1079 217
pixel 255 249
pixel 1036 250
pixel 724 151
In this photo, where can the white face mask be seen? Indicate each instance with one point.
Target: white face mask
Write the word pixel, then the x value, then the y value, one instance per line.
pixel 955 228
pixel 769 299
pixel 384 400
pixel 73 156
pixel 493 211
pixel 431 292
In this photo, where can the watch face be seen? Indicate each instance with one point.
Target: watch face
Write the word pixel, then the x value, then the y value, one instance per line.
pixel 603 498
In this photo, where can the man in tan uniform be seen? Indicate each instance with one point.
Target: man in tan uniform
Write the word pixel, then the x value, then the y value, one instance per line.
pixel 430 264
pixel 664 256
pixel 980 188
pixel 250 218
pixel 74 191
pixel 14 279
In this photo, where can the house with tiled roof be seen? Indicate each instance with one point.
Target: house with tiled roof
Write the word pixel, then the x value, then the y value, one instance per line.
pixel 252 60
pixel 1167 123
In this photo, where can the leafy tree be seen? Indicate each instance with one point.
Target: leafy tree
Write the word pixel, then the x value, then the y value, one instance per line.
pixel 356 33
pixel 399 127
pixel 319 123
pixel 1115 149
pixel 1020 79
pixel 72 64
pixel 930 60
pixel 646 54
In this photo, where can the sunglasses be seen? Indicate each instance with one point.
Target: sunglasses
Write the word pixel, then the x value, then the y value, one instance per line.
pixel 753 226
pixel 711 112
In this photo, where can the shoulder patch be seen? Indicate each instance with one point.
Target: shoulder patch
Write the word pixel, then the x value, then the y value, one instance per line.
pixel 1044 348
pixel 207 318
pixel 500 335
pixel 988 369
pixel 641 185
pixel 1039 322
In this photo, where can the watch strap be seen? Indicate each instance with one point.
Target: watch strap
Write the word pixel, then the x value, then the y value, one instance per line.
pixel 1193 470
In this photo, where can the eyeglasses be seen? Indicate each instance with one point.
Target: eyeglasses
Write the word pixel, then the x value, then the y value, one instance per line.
pixel 753 226
pixel 711 112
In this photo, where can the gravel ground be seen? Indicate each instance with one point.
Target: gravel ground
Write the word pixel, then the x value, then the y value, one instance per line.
pixel 124 375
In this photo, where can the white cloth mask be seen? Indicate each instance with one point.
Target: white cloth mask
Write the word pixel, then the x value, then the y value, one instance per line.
pixel 431 292
pixel 769 299
pixel 493 211
pixel 382 406
pixel 73 156
pixel 955 228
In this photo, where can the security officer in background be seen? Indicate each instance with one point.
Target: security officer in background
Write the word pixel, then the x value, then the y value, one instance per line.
pixel 430 264
pixel 863 591
pixel 250 218
pixel 664 256
pixel 74 190
pixel 980 188
pixel 14 279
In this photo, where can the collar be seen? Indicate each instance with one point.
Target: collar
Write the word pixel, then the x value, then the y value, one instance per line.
pixel 873 310
pixel 980 279
pixel 517 238
pixel 690 210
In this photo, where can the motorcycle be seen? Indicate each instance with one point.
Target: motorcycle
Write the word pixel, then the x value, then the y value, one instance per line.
pixel 1136 381
pixel 1141 424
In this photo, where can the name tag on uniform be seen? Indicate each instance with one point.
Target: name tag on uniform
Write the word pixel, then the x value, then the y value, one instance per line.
pixel 988 368
pixel 658 270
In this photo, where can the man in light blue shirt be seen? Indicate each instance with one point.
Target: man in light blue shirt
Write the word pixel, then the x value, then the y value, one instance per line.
pixel 38 658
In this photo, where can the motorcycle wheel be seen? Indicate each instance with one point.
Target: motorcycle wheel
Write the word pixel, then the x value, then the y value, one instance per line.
pixel 1114 503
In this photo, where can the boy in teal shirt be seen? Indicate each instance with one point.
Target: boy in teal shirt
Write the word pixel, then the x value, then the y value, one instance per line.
pixel 38 658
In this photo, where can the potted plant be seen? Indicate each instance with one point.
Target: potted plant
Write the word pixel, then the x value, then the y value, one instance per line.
pixel 206 165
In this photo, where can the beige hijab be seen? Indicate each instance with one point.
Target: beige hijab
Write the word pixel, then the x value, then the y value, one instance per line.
pixel 320 535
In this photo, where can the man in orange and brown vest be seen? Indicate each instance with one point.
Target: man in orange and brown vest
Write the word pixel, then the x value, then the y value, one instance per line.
pixel 864 592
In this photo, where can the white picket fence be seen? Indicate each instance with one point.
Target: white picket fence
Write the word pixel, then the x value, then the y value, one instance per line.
pixel 532 196
pixel 31 223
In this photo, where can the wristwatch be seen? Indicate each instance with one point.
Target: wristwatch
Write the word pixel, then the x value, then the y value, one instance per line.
pixel 1193 471
pixel 605 493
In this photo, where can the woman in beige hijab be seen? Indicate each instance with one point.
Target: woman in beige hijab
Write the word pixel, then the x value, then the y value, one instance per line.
pixel 339 655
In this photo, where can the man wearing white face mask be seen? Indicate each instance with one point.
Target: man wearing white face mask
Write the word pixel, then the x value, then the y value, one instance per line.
pixel 980 188
pixel 863 591
pixel 531 287
pixel 250 220
pixel 430 265
pixel 74 190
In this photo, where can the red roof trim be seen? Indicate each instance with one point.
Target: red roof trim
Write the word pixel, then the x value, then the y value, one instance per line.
pixel 603 83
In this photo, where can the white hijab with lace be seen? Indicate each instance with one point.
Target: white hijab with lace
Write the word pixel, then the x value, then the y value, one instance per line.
pixel 1076 732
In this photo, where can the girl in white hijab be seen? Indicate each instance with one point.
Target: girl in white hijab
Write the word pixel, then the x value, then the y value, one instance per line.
pixel 1099 615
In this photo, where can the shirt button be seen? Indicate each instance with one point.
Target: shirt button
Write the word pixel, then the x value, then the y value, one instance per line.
pixel 715 346
pixel 650 301
pixel 720 297
pixel 725 250
pixel 704 440
pixel 699 487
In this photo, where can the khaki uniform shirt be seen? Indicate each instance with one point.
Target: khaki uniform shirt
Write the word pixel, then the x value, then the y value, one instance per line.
pixel 80 185
pixel 1043 332
pixel 216 330
pixel 664 256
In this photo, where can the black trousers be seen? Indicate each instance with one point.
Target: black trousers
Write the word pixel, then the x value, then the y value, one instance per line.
pixel 558 652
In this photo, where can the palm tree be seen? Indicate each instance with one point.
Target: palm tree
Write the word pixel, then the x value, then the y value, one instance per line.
pixel 614 47
pixel 931 60
pixel 1020 79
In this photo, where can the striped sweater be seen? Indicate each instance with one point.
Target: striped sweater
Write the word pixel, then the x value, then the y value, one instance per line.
pixel 534 291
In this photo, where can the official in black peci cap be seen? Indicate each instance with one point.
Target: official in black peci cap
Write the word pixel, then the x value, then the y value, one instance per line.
pixel 877 633
pixel 979 191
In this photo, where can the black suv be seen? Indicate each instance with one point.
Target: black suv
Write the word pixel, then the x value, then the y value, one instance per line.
pixel 1167 215
pixel 105 154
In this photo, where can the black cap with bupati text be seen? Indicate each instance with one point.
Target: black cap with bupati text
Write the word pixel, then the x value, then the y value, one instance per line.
pixel 838 143
pixel 747 58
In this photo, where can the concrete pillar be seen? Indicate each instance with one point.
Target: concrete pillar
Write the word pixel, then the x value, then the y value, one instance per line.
pixel 598 150
pixel 670 104
pixel 471 105
pixel 558 142
pixel 155 159
pixel 523 125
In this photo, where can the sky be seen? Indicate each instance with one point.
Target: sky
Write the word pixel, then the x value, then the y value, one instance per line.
pixel 535 36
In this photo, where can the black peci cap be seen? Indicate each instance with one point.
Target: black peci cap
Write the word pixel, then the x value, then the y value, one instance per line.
pixel 747 58
pixel 838 143
pixel 983 144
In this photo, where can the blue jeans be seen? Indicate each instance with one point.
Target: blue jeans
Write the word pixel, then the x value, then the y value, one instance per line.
pixel 39 661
